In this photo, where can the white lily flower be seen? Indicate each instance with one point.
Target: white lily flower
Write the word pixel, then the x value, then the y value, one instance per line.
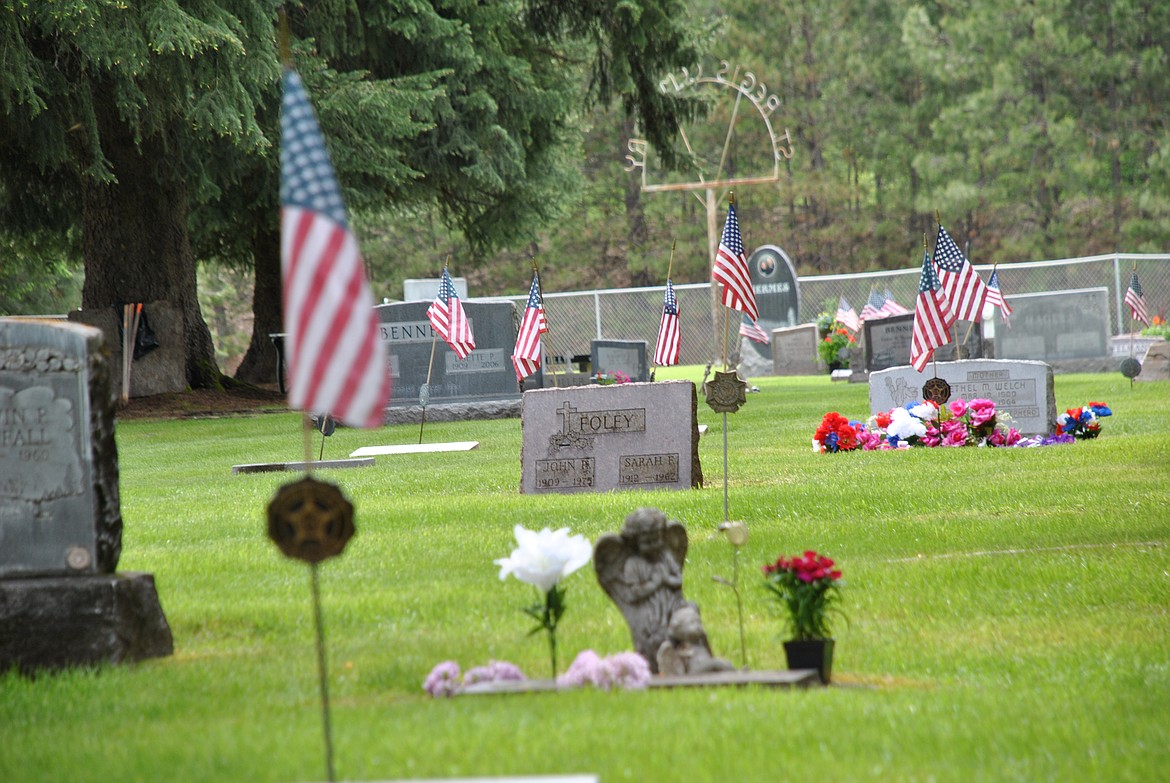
pixel 543 559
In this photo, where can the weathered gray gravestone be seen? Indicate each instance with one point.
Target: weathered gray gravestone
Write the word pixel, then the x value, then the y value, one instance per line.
pixel 1056 325
pixel 625 356
pixel 887 342
pixel 794 351
pixel 61 604
pixel 1022 389
pixel 618 437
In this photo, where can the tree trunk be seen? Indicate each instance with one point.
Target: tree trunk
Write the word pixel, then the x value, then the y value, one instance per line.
pixel 136 245
pixel 259 364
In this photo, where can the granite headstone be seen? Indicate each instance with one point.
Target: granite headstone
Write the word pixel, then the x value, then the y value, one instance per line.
pixel 1022 389
pixel 777 294
pixel 61 603
pixel 617 437
pixel 486 373
pixel 794 351
pixel 625 356
pixel 887 342
pixel 1056 325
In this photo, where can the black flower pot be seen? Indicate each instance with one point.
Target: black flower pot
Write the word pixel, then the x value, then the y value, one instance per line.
pixel 811 654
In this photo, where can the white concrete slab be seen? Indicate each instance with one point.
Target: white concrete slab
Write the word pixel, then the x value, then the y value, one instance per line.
pixel 415 448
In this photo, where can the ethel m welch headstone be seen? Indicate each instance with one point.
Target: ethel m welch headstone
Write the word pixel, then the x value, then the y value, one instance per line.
pixel 61 604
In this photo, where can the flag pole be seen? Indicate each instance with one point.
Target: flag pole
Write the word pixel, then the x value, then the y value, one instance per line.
pixel 669 269
pixel 726 363
pixel 971 326
pixel 425 396
pixel 552 365
pixel 1134 272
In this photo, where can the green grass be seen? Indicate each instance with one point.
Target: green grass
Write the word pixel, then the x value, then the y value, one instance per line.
pixel 1008 611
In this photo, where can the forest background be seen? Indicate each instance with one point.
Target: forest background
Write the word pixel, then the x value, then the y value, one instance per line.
pixel 1035 131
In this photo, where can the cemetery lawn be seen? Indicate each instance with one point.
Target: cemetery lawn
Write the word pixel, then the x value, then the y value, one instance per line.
pixel 1008 611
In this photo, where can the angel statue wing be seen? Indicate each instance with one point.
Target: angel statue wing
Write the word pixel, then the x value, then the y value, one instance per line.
pixel 676 542
pixel 609 556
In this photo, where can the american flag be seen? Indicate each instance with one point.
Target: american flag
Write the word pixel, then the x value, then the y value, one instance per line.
pixel 875 307
pixel 731 269
pixel 891 307
pixel 336 362
pixel 1136 300
pixel 751 330
pixel 447 317
pixel 526 354
pixel 666 351
pixel 933 317
pixel 847 316
pixel 961 284
pixel 995 297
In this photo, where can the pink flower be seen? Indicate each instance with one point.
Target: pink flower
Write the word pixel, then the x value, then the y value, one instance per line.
pixel 443 679
pixel 958 407
pixel 982 411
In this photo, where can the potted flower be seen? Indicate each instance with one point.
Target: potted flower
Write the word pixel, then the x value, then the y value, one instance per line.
pixel 833 342
pixel 807 587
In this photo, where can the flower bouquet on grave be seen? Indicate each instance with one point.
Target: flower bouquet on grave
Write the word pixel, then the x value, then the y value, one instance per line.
pixel 543 560
pixel 1083 422
pixel 608 379
pixel 807 587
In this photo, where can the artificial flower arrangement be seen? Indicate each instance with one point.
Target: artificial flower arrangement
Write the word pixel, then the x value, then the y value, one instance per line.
pixel 836 340
pixel 1083 422
pixel 959 423
pixel 608 379
pixel 444 679
pixel 543 560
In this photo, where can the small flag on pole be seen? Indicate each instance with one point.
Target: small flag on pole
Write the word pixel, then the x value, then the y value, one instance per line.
pixel 874 307
pixel 995 297
pixel 847 316
pixel 1136 300
pixel 526 354
pixel 751 330
pixel 893 308
pixel 731 269
pixel 448 319
pixel 667 349
pixel 336 362
pixel 961 284
pixel 933 317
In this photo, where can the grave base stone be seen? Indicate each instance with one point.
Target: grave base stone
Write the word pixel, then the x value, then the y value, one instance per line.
pixel 1020 388
pixel 59 622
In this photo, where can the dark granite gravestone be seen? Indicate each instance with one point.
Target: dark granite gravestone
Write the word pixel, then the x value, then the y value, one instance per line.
pixel 1056 325
pixel 486 373
pixel 794 351
pixel 887 342
pixel 61 604
pixel 625 356
pixel 616 437
pixel 777 294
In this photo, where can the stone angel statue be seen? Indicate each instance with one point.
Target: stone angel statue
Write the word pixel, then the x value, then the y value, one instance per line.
pixel 641 570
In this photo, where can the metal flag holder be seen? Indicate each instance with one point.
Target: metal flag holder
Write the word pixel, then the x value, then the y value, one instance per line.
pixel 311 520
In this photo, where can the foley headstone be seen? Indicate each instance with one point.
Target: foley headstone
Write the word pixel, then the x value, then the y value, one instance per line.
pixel 486 373
pixel 1056 325
pixel 777 295
pixel 887 342
pixel 1022 389
pixel 794 351
pixel 61 603
pixel 617 437
pixel 624 356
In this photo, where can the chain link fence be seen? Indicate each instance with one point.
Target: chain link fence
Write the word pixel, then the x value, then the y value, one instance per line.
pixel 577 318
